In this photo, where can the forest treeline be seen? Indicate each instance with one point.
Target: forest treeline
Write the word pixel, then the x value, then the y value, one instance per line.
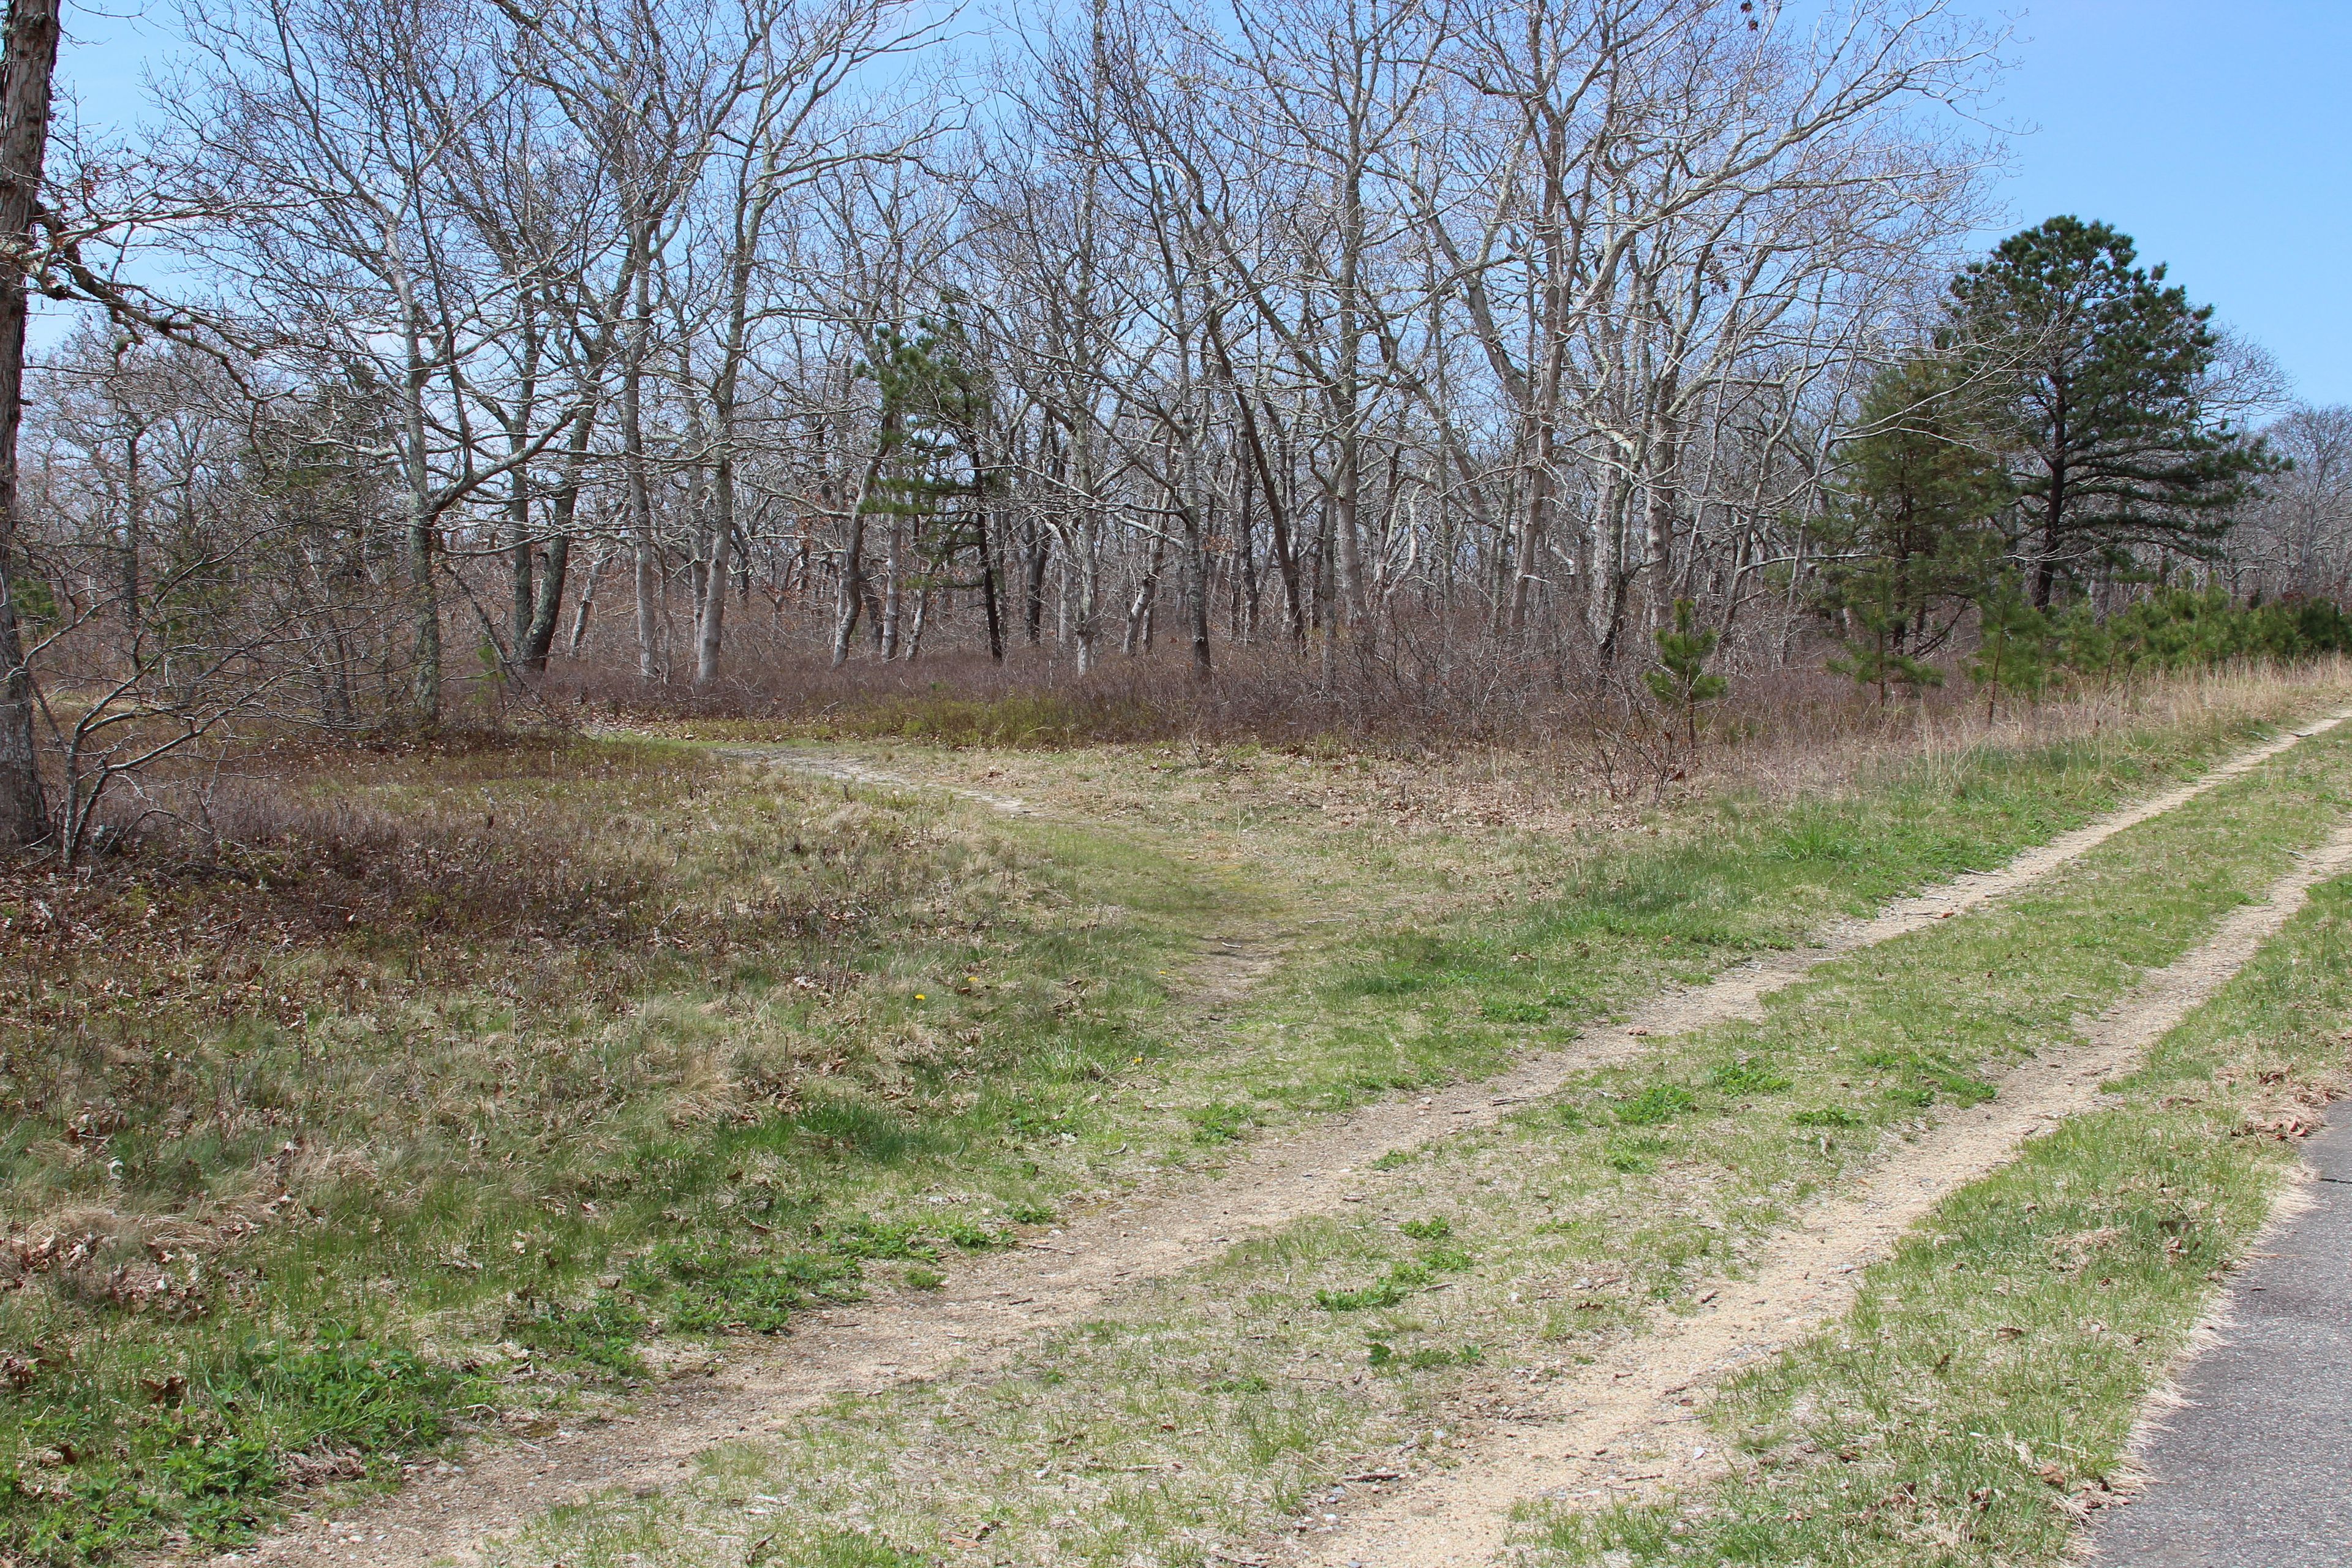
pixel 1441 346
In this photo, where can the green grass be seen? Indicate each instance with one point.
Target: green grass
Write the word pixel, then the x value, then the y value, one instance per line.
pixel 722 1107
pixel 201 1452
pixel 1212 1407
pixel 540 1114
pixel 1607 918
pixel 1981 1393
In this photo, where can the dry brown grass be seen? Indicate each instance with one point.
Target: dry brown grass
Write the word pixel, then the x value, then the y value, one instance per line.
pixel 1804 738
pixel 1425 685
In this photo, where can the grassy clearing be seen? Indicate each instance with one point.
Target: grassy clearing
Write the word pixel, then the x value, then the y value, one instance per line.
pixel 1442 948
pixel 465 1087
pixel 1974 1406
pixel 1217 1407
pixel 489 1077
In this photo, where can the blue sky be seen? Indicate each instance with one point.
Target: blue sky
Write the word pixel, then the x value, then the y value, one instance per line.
pixel 2216 132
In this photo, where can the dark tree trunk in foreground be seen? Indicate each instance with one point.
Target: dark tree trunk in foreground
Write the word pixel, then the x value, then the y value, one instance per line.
pixel 25 69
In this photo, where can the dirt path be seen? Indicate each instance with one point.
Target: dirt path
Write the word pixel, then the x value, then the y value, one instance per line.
pixel 849 770
pixel 1621 1427
pixel 990 1307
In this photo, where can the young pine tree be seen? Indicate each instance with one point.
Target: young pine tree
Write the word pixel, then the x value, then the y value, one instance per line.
pixel 1910 539
pixel 1681 679
pixel 2016 644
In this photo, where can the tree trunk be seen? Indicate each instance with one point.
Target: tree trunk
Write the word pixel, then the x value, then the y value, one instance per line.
pixel 1139 608
pixel 988 592
pixel 422 535
pixel 2045 570
pixel 1036 552
pixel 585 609
pixel 1658 532
pixel 135 529
pixel 1196 566
pixel 1086 627
pixel 1286 561
pixel 709 625
pixel 640 490
pixel 892 564
pixel 425 609
pixel 547 602
pixel 25 72
pixel 2053 514
pixel 852 580
pixel 518 482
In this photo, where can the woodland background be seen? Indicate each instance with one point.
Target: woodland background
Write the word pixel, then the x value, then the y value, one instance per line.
pixel 1427 366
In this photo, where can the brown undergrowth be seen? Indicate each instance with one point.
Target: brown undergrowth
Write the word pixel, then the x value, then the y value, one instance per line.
pixel 1395 700
pixel 1560 785
pixel 362 1079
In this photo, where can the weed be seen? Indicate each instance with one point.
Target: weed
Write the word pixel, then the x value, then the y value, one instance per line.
pixel 708 1287
pixel 1923 1077
pixel 1219 1122
pixel 880 1239
pixel 859 1549
pixel 1658 1104
pixel 1827 1116
pixel 1423 1358
pixel 1436 1229
pixel 1633 1156
pixel 968 1234
pixel 1404 1279
pixel 1747 1074
pixel 847 1127
pixel 600 1336
pixel 214 1468
pixel 1388 1292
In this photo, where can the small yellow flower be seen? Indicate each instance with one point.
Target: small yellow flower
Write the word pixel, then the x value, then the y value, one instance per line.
pixel 919 996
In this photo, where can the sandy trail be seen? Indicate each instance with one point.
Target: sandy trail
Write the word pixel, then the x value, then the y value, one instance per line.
pixel 1620 1427
pixel 992 1307
pixel 849 770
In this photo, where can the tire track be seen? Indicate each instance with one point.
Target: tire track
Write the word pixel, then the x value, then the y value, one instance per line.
pixel 1623 1427
pixel 990 1307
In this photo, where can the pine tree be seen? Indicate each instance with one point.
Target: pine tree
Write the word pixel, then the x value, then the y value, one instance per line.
pixel 1681 679
pixel 2014 648
pixel 1910 540
pixel 2109 372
